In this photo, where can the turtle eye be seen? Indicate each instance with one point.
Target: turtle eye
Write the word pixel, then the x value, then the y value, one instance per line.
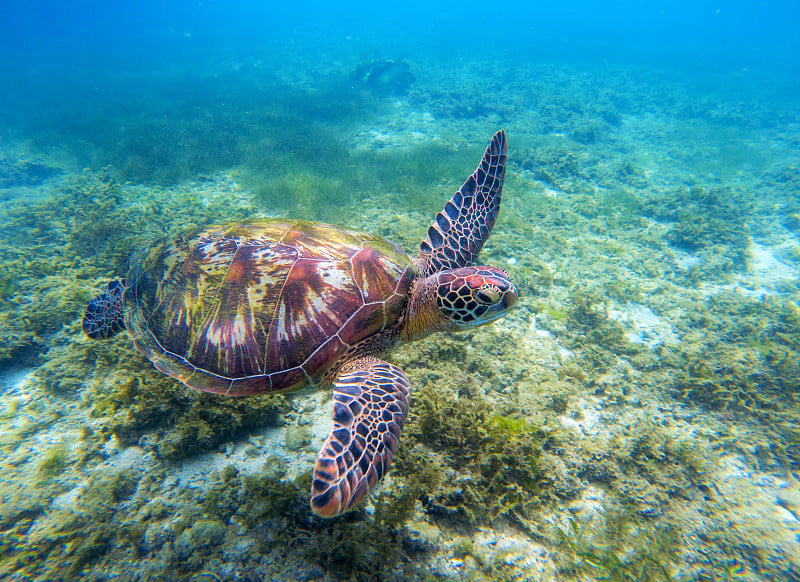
pixel 488 295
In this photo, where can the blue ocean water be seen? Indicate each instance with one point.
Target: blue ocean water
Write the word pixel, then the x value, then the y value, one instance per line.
pixel 633 418
pixel 91 72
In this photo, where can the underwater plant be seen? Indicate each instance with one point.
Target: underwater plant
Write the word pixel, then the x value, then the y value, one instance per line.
pixel 494 457
pixel 706 218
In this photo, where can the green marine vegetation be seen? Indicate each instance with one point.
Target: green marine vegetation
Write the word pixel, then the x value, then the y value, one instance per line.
pixel 492 459
pixel 745 361
pixel 623 548
pixel 273 513
pixel 706 219
pixel 408 178
pixel 134 400
pixel 599 339
pixel 159 133
pixel 48 255
pixel 52 461
pixel 125 520
pixel 15 172
pixel 556 166
pixel 72 540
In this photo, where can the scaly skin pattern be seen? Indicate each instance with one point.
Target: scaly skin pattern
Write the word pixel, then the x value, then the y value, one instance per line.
pixel 263 306
pixel 104 315
pixel 459 231
pixel 458 299
pixel 370 404
pixel 370 395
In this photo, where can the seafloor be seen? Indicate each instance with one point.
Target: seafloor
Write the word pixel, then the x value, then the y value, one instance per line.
pixel 635 418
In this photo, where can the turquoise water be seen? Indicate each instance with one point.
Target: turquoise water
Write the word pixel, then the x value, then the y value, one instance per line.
pixel 635 417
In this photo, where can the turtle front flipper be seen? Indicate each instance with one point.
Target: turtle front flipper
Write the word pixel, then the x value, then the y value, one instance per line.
pixel 105 314
pixel 370 404
pixel 458 232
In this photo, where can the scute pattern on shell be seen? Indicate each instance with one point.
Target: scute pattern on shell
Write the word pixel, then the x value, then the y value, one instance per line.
pixel 263 305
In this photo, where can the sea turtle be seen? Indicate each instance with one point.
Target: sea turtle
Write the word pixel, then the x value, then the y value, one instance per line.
pixel 275 305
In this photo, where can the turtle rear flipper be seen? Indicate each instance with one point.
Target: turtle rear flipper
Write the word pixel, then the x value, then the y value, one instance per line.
pixel 458 232
pixel 370 404
pixel 105 315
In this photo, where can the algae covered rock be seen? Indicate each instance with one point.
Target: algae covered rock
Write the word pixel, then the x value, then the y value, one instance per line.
pixel 205 533
pixel 297 437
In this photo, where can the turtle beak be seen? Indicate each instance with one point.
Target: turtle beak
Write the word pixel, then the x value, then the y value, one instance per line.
pixel 510 298
pixel 501 308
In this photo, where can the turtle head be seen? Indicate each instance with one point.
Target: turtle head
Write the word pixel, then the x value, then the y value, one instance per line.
pixel 473 296
pixel 458 299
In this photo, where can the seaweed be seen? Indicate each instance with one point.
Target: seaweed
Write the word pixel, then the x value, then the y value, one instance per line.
pixel 156 130
pixel 622 549
pixel 599 339
pixel 305 178
pixel 130 400
pixel 25 172
pixel 727 377
pixel 557 166
pixel 53 461
pixel 746 364
pixel 495 457
pixel 179 422
pixel 71 541
pixel 275 514
pixel 713 219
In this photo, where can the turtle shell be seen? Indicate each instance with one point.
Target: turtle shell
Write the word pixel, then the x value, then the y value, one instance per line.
pixel 263 306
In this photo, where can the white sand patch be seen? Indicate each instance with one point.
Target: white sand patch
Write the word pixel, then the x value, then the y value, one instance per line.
pixel 766 503
pixel 765 269
pixel 15 383
pixel 643 326
pixel 686 261
pixel 766 272
pixel 17 392
pixel 530 560
pixel 584 417
pixel 507 551
pixel 588 505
